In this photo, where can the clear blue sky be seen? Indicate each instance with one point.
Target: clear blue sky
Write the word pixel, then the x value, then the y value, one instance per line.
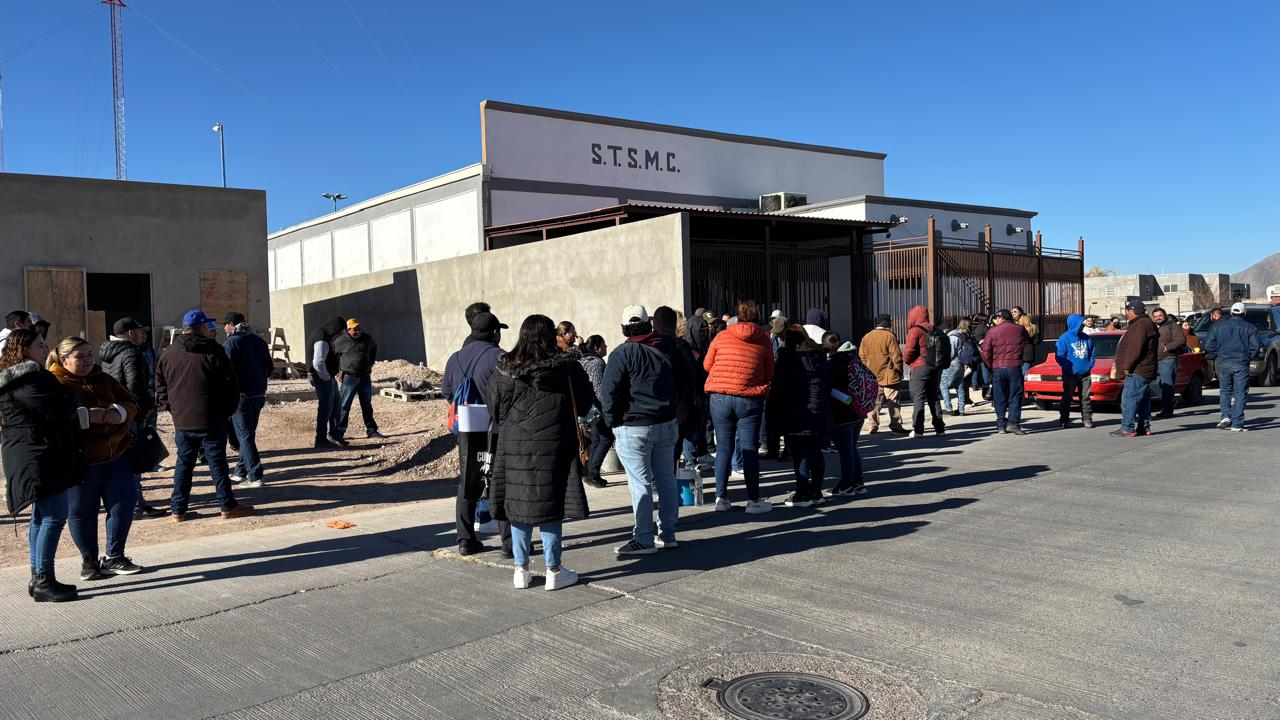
pixel 1148 127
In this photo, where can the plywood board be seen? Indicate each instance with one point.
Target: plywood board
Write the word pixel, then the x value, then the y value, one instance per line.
pixel 58 295
pixel 97 328
pixel 224 291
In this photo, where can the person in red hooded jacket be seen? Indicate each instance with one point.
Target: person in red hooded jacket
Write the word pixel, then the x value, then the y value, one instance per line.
pixel 739 365
pixel 925 378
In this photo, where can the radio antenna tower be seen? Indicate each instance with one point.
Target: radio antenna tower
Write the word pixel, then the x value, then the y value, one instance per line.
pixel 117 82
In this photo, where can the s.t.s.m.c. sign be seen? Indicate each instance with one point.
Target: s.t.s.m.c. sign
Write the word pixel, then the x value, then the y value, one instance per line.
pixel 633 158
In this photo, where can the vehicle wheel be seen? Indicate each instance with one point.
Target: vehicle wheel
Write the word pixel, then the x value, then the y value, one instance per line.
pixel 1044 404
pixel 1193 393
pixel 1269 374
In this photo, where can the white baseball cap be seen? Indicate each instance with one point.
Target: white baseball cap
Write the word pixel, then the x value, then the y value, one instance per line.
pixel 634 314
pixel 775 313
pixel 1237 309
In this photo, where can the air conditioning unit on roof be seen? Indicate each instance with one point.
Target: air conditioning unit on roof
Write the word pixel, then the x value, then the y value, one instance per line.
pixel 773 202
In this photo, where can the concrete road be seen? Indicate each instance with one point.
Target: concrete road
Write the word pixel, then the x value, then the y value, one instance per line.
pixel 1065 574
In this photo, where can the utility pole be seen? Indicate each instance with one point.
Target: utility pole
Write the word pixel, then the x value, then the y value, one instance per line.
pixel 117 82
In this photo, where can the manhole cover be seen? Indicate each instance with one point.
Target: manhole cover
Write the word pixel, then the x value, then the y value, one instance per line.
pixel 789 696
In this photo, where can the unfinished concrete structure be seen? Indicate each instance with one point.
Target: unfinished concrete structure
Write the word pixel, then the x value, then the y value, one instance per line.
pixel 84 253
pixel 1175 292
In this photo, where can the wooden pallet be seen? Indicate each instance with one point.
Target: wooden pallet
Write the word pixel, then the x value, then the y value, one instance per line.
pixel 416 396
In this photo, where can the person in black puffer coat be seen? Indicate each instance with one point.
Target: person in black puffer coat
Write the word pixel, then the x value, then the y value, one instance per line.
pixel 798 406
pixel 41 453
pixel 535 396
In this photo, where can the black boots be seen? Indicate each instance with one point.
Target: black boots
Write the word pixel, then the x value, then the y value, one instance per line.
pixel 46 588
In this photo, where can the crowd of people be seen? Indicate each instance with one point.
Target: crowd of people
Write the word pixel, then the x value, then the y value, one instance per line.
pixel 680 393
pixel 683 392
pixel 78 427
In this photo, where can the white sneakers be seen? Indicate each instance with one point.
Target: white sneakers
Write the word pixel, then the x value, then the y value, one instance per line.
pixel 737 475
pixel 723 505
pixel 488 528
pixel 1224 423
pixel 758 507
pixel 522 578
pixel 561 579
pixel 555 580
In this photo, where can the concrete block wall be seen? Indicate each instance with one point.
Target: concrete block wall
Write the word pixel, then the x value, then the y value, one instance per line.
pixel 587 278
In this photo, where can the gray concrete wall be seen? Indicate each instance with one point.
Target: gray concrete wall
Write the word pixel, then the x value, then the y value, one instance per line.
pixel 170 232
pixel 587 278
pixel 388 304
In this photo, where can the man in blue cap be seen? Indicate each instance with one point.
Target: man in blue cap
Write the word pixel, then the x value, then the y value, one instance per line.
pixel 197 386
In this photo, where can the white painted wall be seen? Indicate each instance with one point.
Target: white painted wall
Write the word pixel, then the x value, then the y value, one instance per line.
pixel 289 266
pixel 317 259
pixel 918 220
pixel 534 147
pixel 271 270
pixel 351 251
pixel 447 228
pixel 391 241
pixel 507 206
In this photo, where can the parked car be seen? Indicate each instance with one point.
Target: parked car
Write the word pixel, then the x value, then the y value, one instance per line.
pixel 1043 383
pixel 1266 369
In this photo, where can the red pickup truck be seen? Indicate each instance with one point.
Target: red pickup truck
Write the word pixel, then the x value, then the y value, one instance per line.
pixel 1044 381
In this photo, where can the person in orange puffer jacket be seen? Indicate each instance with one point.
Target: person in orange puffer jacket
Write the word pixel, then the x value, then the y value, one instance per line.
pixel 739 365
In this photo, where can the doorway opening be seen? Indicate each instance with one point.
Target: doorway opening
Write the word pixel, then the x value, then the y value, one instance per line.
pixel 111 296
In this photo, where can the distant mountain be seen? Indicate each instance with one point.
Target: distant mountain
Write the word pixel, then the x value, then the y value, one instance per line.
pixel 1260 275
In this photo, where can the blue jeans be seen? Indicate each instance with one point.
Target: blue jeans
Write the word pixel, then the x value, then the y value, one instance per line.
pixel 327 408
pixel 1166 374
pixel 214 444
pixel 980 377
pixel 245 424
pixel 48 516
pixel 953 379
pixel 522 543
pixel 1233 387
pixel 809 465
pixel 1006 394
pixel 1026 368
pixel 846 440
pixel 110 485
pixel 737 420
pixel 646 453
pixel 1135 403
pixel 353 387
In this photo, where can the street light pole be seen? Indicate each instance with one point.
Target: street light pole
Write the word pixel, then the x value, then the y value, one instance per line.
pixel 335 197
pixel 222 145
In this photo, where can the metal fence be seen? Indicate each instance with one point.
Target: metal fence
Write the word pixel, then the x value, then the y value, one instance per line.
pixel 724 273
pixel 960 277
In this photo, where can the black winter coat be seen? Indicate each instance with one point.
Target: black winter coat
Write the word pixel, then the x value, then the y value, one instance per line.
pixel 38 441
pixel 127 363
pixel 537 440
pixel 799 396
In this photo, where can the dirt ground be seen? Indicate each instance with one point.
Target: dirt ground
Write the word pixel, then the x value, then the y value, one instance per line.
pixel 417 461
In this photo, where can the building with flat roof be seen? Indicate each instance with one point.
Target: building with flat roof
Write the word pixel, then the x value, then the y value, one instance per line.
pixel 793 225
pixel 84 253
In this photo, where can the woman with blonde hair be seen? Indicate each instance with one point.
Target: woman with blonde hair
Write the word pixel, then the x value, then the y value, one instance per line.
pixel 108 480
pixel 41 455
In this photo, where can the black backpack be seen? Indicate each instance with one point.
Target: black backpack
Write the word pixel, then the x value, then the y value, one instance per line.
pixel 937 349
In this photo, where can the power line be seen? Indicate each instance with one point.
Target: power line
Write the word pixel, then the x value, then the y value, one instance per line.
pixel 314 44
pixel 378 47
pixel 200 57
pixel 71 20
